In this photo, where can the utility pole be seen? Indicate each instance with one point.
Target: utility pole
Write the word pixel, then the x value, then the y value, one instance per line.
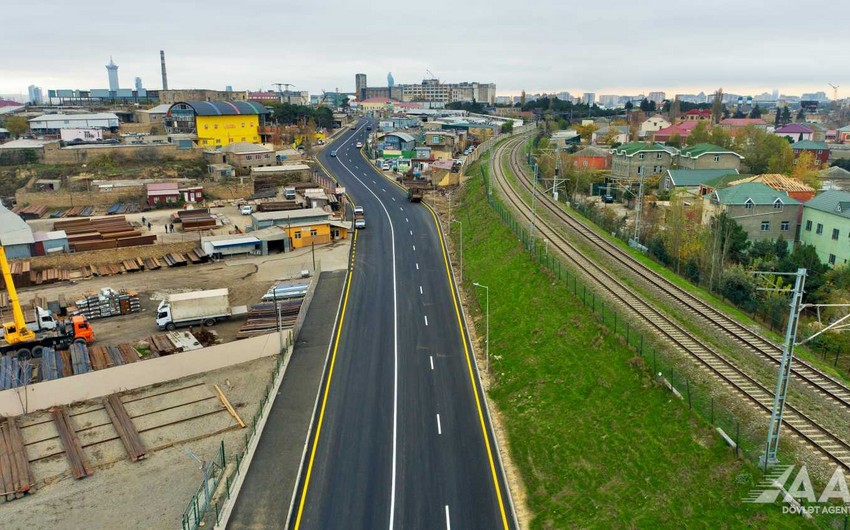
pixel 769 458
pixel 639 209
pixel 461 247
pixel 533 204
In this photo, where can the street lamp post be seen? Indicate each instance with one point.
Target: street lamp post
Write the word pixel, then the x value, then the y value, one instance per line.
pixel 487 325
pixel 461 247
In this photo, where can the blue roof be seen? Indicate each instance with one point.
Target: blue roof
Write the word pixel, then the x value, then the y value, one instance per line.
pixel 225 108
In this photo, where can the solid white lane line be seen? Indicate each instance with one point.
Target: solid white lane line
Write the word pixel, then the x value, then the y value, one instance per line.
pixel 432 362
pixel 417 266
pixel 439 427
pixel 420 289
pixel 448 519
pixel 395 346
pixel 426 320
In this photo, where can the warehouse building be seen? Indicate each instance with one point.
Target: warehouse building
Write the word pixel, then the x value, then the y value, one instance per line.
pixel 216 124
pixel 15 235
pixel 262 220
pixel 53 123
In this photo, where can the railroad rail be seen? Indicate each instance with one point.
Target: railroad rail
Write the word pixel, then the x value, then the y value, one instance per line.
pixel 804 372
pixel 713 363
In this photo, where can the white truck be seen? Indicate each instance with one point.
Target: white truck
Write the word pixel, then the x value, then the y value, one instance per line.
pixel 192 309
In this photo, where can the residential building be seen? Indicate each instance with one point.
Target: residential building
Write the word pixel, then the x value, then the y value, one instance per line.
pixel 791 187
pixel 217 123
pixel 826 226
pixel 435 91
pixel 652 124
pixel 444 144
pixel 591 158
pixel 796 132
pixel 697 115
pixel 617 133
pixel 377 104
pixel 709 156
pixel 694 181
pixel 609 101
pixel 36 96
pixel 262 220
pixel 399 141
pixel 53 123
pixel 166 192
pixel 588 98
pixel 761 211
pixel 657 97
pixel 243 155
pixel 842 135
pixel 153 115
pixel 738 123
pixel 819 150
pixel 564 139
pixel 683 130
pixel 635 161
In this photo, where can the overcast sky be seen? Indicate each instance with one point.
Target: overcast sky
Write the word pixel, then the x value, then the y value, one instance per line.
pixel 613 47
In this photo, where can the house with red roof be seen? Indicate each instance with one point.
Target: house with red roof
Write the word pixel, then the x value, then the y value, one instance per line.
pixel 739 123
pixel 796 132
pixel 697 115
pixel 683 129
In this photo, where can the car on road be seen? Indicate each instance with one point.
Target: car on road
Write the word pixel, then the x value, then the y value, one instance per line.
pixel 608 199
pixel 359 218
pixel 368 127
pixel 359 145
pixel 333 153
pixel 246 209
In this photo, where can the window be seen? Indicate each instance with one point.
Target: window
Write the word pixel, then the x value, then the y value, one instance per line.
pixel 658 156
pixel 819 230
pixel 243 124
pixel 640 156
pixel 313 233
pixel 832 259
pixel 640 170
pixel 749 204
pixel 809 226
pixel 215 126
pixel 765 226
pixel 248 157
pixel 777 204
pixel 717 158
pixel 835 234
pixel 297 235
pixel 206 127
pixel 784 226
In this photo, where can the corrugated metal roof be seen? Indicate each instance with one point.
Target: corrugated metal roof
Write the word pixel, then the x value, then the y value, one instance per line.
pixel 833 201
pixel 225 108
pixel 756 192
pixel 62 117
pixel 13 229
pixel 234 242
pixel 291 214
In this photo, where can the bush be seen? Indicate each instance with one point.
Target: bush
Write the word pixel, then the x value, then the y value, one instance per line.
pixel 739 288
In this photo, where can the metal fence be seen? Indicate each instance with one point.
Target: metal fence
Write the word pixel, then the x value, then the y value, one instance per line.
pixel 204 508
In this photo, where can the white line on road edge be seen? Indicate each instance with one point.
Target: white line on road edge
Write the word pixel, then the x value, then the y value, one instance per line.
pixel 420 289
pixel 432 362
pixel 395 344
pixel 426 320
pixel 417 266
pixel 411 232
pixel 406 220
pixel 414 248
pixel 393 199
pixel 448 519
pixel 439 427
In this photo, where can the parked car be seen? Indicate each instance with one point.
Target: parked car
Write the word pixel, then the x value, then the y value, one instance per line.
pixel 359 145
pixel 386 166
pixel 333 153
pixel 608 199
pixel 246 209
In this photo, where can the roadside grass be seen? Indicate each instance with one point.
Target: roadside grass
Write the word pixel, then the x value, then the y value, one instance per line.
pixel 597 443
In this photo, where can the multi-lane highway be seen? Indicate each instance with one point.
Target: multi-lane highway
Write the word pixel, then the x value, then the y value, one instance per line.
pixel 401 437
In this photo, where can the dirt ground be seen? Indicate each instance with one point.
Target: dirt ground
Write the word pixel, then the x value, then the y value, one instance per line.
pixel 248 279
pixel 175 420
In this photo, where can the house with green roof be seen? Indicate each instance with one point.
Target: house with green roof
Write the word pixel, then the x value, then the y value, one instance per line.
pixel 763 212
pixel 819 150
pixel 826 226
pixel 692 180
pixel 709 156
pixel 637 160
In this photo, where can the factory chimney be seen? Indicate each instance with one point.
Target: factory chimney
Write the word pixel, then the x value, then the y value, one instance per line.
pixel 164 76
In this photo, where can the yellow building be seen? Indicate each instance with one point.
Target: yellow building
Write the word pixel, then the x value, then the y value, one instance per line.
pixel 319 233
pixel 217 123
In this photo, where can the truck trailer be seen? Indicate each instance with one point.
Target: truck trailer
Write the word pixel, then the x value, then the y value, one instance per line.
pixel 193 309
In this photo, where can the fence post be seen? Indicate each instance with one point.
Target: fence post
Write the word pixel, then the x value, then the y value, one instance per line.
pixel 737 436
pixel 712 411
pixel 688 388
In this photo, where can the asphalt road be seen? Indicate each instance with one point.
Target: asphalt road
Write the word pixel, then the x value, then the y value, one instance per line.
pixel 401 434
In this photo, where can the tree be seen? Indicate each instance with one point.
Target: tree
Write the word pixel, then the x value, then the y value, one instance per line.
pixel 16 125
pixel 777 119
pixel 628 106
pixel 652 106
pixel 717 106
pixel 611 135
pixel 586 131
pixel 699 135
pixel 675 140
pixel 719 136
pixel 801 116
pixel 756 112
pixel 665 106
pixel 763 152
pixel 644 105
pixel 786 116
pixel 522 99
pixel 508 127
pixel 739 114
pixel 807 170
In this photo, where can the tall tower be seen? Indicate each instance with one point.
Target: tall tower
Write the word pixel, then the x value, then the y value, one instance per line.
pixel 138 84
pixel 164 76
pixel 112 71
pixel 390 84
pixel 359 85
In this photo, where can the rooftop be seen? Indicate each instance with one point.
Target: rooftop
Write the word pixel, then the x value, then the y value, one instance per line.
pixel 291 214
pixel 634 148
pixel 590 152
pixel 809 145
pixel 26 144
pixel 833 201
pixel 778 182
pixel 13 229
pixel 245 148
pixel 224 108
pixel 404 136
pixel 755 192
pixel 159 109
pixel 695 177
pixel 698 150
pixel 794 128
pixel 62 117
pixel 742 122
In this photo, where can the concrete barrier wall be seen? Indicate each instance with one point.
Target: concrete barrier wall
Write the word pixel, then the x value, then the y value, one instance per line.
pixel 102 383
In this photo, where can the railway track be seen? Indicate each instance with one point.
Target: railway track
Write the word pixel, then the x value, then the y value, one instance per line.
pixel 804 372
pixel 713 363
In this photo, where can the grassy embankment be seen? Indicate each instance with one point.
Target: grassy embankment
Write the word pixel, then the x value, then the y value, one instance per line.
pixel 597 443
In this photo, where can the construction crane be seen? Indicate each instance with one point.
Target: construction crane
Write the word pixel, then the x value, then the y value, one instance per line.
pixel 22 340
pixel 834 91
pixel 288 95
pixel 430 73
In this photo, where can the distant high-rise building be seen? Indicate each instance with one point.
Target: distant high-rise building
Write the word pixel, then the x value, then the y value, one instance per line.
pixel 390 80
pixel 35 95
pixel 228 88
pixel 775 94
pixel 138 84
pixel 112 72
pixel 588 98
pixel 609 101
pixel 657 97
pixel 359 85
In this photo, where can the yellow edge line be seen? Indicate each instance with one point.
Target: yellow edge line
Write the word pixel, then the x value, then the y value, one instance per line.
pixel 381 173
pixel 327 389
pixel 471 374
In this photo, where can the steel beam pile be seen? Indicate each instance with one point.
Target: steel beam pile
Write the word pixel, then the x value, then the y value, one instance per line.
pixel 80 466
pixel 15 474
pixel 124 427
pixel 262 318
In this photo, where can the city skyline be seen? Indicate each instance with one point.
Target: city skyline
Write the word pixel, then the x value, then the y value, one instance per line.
pixel 590 51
